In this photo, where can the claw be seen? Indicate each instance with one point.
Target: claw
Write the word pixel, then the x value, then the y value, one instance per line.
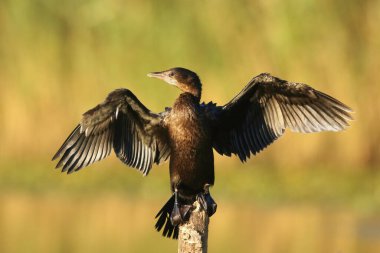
pixel 180 213
pixel 185 212
pixel 206 201
pixel 211 205
pixel 175 217
pixel 202 201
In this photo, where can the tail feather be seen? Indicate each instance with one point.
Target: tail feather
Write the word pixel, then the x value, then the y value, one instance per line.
pixel 163 221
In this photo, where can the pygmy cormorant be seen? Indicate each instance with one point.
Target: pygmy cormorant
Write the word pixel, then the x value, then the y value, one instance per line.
pixel 187 133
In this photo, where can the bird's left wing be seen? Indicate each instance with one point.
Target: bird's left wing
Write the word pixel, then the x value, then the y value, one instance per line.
pixel 262 111
pixel 123 123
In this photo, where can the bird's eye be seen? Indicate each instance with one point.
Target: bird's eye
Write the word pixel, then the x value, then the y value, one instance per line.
pixel 171 74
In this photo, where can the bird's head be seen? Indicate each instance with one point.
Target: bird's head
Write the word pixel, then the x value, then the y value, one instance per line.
pixel 184 79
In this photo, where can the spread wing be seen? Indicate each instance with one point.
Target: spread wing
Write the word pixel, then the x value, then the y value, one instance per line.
pixel 123 123
pixel 259 114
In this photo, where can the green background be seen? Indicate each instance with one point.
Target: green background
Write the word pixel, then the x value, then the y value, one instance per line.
pixel 305 193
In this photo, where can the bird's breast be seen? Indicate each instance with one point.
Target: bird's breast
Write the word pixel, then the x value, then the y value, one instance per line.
pixel 191 159
pixel 187 128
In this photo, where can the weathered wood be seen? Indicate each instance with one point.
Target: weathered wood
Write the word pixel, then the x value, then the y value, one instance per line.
pixel 193 235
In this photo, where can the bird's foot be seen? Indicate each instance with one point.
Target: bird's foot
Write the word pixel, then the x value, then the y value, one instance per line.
pixel 180 212
pixel 206 201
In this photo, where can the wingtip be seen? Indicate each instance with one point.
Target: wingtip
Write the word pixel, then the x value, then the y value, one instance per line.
pixel 346 126
pixel 57 155
pixel 349 109
pixel 65 172
pixel 350 114
pixel 70 171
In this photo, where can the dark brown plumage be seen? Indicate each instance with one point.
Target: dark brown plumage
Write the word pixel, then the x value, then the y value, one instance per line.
pixel 188 132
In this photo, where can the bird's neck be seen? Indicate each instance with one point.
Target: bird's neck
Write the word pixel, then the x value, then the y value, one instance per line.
pixel 197 93
pixel 194 90
pixel 189 96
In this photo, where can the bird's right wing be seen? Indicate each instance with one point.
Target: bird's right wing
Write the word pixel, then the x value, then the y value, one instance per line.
pixel 262 111
pixel 123 123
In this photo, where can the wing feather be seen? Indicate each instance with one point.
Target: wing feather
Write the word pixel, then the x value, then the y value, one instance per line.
pixel 261 112
pixel 121 123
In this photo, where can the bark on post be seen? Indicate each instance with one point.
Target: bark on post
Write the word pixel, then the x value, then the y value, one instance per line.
pixel 193 235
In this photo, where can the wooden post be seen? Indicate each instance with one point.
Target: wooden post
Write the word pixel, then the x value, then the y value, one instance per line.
pixel 193 235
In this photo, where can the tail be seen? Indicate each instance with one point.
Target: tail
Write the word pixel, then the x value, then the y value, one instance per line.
pixel 163 221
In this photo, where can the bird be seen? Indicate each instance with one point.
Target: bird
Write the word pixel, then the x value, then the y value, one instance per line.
pixel 187 133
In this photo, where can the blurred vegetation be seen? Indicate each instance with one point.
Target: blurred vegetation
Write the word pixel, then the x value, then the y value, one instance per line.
pixel 305 193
